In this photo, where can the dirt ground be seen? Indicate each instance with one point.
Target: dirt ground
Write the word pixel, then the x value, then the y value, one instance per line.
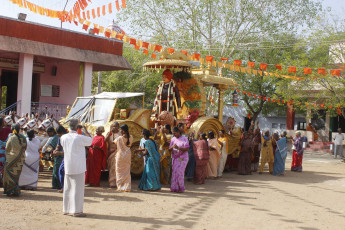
pixel 310 200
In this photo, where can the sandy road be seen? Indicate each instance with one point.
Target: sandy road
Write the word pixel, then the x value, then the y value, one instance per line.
pixel 310 200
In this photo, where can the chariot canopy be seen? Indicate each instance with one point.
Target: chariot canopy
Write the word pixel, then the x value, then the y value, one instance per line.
pixel 97 109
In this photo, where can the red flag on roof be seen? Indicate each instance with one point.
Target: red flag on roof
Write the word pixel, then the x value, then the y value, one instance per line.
pixel 196 56
pixel 171 50
pixel 158 48
pixel 237 62
pixel 209 58
pixel 145 45
pixel 321 71
pixel 251 64
pixel 263 66
pixel 292 69
pixel 117 5
pixel 307 71
pixel 184 52
pixel 335 72
pixel 132 41
pixel 124 4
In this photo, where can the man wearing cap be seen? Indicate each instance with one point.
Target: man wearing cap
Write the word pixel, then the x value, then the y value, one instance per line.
pixel 167 92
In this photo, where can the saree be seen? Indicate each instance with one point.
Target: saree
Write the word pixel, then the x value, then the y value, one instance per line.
pixel 190 169
pixel 111 161
pixel 123 164
pixel 202 155
pixel 57 162
pixel 244 164
pixel 234 148
pixel 3 138
pixel 223 157
pixel 179 163
pixel 266 154
pixel 256 150
pixel 280 157
pixel 15 157
pixel 213 162
pixel 165 166
pixel 95 162
pixel 29 176
pixel 297 155
pixel 150 178
pixel 62 173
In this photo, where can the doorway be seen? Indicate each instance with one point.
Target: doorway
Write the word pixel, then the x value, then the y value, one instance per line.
pixel 9 88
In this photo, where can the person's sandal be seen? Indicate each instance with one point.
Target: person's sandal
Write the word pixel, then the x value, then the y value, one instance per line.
pixel 79 215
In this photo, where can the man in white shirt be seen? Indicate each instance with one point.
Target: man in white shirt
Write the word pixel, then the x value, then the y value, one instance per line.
pixel 75 167
pixel 338 144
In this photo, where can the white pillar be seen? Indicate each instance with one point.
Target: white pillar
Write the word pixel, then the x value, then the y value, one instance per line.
pixel 26 62
pixel 87 80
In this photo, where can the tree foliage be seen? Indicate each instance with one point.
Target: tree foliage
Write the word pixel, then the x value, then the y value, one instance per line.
pixel 326 50
pixel 240 29
pixel 136 80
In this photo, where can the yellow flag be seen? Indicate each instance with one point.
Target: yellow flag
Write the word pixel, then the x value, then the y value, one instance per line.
pixel 126 38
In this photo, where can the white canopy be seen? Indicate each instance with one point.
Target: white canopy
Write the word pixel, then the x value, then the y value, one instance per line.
pixel 114 95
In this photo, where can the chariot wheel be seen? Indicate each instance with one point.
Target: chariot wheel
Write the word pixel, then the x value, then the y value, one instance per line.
pixel 137 163
pixel 206 124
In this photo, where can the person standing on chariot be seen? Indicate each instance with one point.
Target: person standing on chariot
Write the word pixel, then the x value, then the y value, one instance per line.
pixel 167 93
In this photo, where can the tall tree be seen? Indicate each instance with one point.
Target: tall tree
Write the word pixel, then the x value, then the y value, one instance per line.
pixel 326 50
pixel 136 80
pixel 227 28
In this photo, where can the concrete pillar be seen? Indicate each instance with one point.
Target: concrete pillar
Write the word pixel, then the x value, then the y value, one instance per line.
pixel 87 80
pixel 290 117
pixel 26 62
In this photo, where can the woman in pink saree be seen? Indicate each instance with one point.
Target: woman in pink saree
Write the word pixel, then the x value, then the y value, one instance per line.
pixel 179 146
pixel 214 150
pixel 123 160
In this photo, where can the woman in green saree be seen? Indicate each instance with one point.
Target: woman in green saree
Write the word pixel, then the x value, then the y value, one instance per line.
pixel 15 157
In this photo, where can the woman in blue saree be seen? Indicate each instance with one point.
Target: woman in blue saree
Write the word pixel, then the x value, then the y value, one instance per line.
pixel 280 157
pixel 150 179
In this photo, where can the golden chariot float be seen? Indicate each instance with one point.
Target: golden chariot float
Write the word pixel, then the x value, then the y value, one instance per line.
pixel 101 109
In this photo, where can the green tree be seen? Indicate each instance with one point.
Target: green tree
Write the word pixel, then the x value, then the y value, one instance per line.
pixel 136 80
pixel 225 28
pixel 326 50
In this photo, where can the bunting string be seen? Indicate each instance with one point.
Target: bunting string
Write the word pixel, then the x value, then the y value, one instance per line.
pixel 287 102
pixel 79 12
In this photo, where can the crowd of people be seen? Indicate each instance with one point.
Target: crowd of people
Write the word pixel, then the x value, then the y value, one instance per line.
pixel 169 156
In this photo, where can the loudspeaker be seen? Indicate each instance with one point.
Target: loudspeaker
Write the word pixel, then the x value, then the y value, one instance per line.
pixel 54 70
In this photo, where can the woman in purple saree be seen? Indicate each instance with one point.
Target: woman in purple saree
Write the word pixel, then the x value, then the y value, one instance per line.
pixel 179 146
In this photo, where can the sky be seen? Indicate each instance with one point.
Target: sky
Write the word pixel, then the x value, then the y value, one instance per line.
pixel 8 9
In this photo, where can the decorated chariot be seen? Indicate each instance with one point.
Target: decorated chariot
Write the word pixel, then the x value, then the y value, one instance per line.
pixel 191 81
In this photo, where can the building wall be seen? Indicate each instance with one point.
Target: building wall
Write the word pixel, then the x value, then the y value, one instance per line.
pixel 67 77
pixel 274 124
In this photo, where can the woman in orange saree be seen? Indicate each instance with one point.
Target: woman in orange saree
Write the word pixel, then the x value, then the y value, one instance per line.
pixel 214 150
pixel 123 160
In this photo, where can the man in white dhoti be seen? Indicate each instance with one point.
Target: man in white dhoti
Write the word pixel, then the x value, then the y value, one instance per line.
pixel 75 167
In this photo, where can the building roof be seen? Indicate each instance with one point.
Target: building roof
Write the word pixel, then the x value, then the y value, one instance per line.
pixel 40 40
